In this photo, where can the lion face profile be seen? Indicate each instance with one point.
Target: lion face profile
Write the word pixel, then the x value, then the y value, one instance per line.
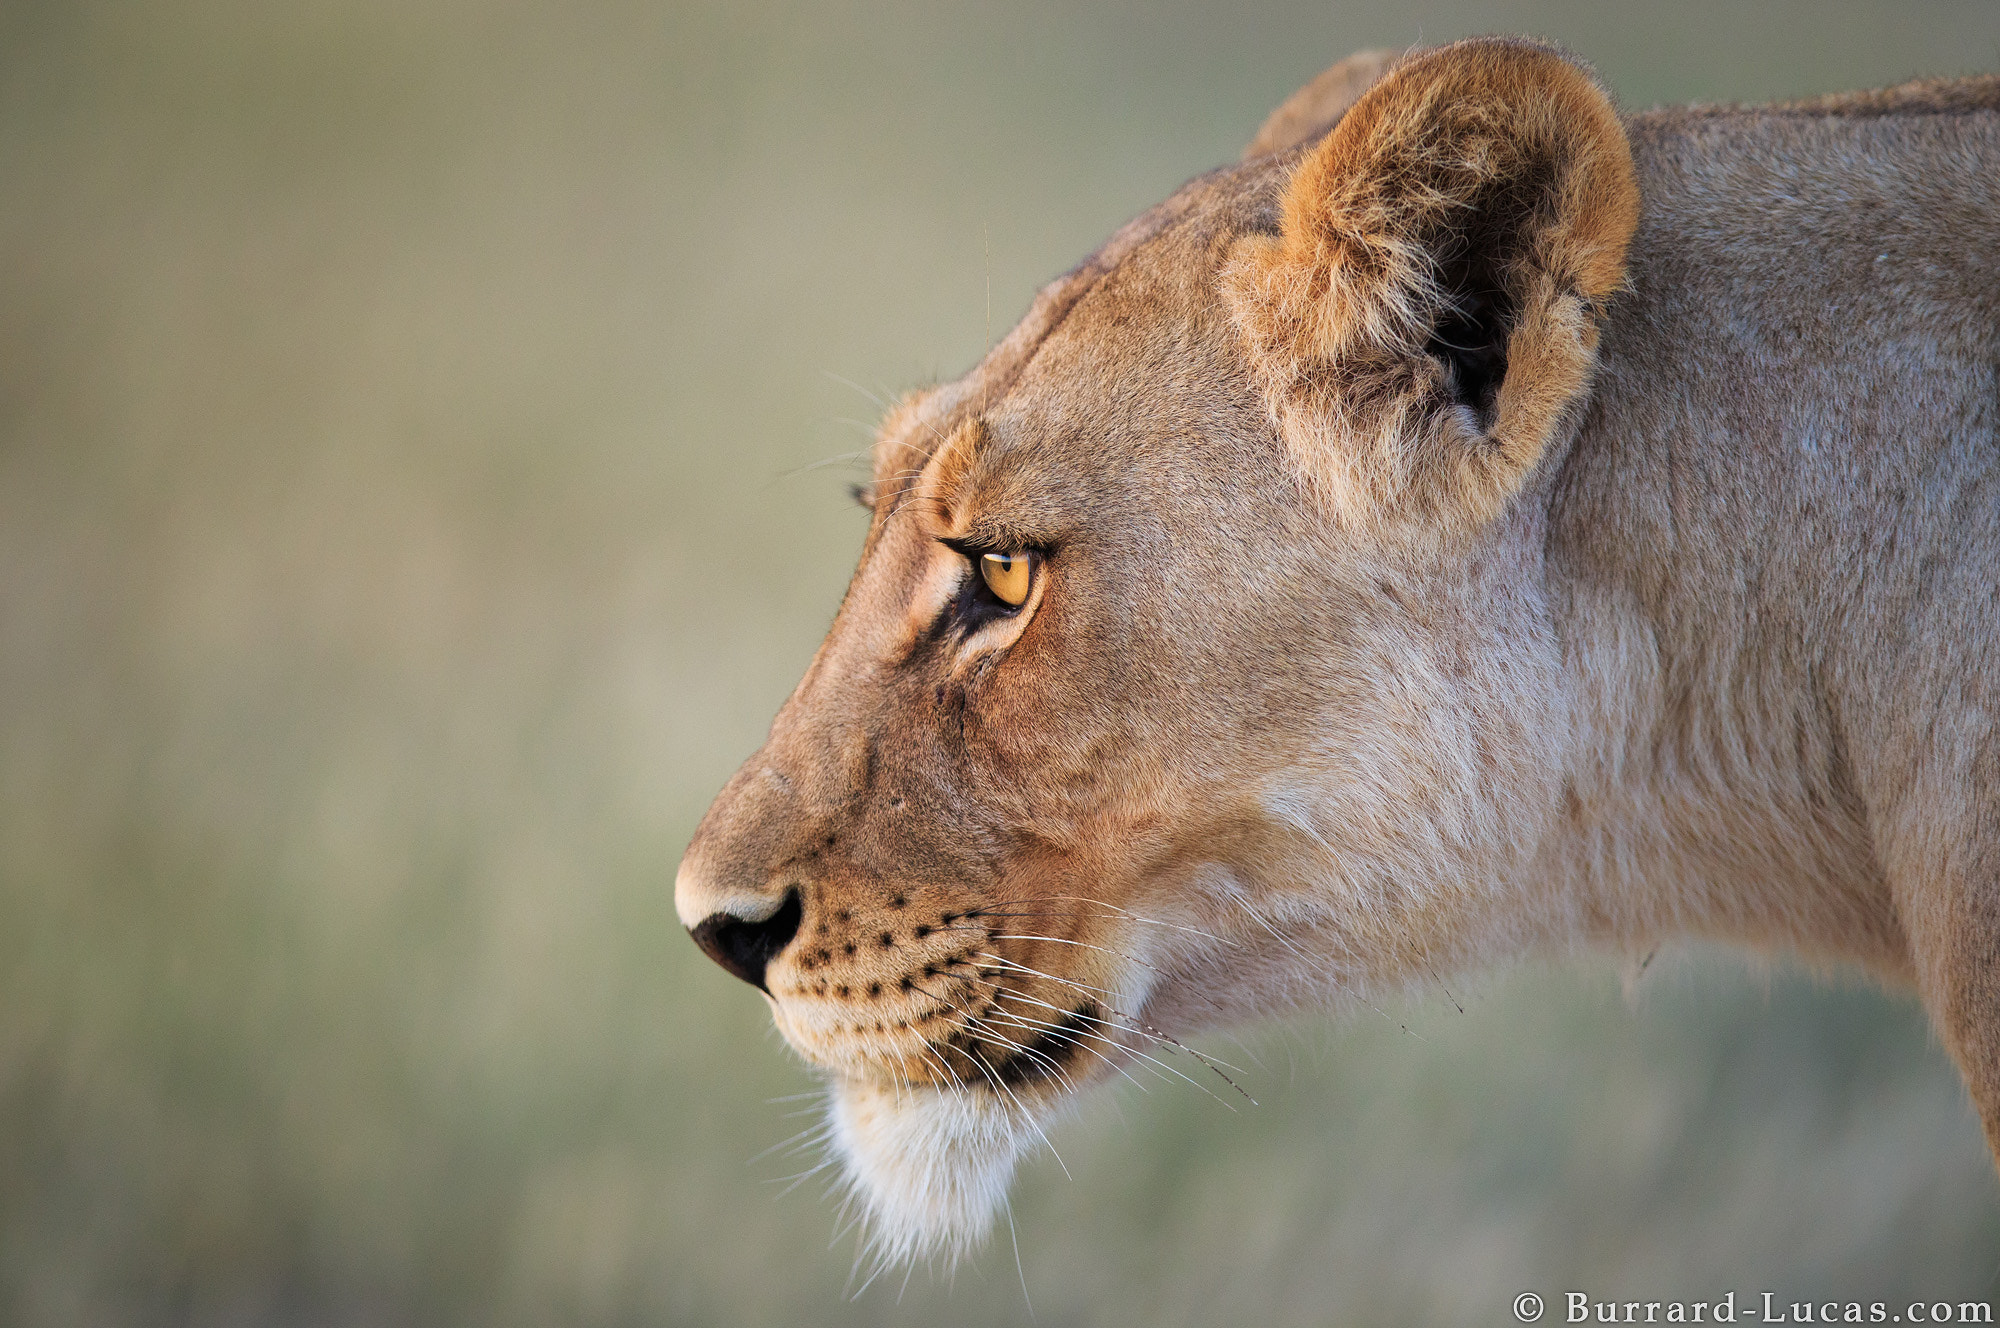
pixel 1473 523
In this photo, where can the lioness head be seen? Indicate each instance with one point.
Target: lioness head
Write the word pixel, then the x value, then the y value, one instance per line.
pixel 1195 666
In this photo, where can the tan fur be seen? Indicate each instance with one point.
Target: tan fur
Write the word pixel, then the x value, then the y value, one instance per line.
pixel 1338 676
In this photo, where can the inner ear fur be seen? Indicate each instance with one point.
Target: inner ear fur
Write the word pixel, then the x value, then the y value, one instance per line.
pixel 1430 308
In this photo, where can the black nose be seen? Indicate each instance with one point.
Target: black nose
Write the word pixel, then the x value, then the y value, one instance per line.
pixel 747 948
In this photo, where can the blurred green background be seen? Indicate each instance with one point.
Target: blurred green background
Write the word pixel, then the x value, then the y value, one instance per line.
pixel 423 433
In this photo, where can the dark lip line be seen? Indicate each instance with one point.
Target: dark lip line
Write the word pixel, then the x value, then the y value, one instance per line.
pixel 1046 1055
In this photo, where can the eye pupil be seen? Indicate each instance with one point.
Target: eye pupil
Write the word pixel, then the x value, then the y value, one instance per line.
pixel 1008 575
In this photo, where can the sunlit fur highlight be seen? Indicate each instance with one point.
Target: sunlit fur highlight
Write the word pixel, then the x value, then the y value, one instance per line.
pixel 1337 308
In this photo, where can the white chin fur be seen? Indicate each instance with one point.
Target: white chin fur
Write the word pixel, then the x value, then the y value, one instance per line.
pixel 931 1167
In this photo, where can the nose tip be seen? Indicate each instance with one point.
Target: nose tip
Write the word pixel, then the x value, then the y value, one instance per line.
pixel 747 948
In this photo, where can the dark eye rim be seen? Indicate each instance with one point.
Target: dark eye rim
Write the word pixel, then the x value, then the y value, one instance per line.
pixel 975 604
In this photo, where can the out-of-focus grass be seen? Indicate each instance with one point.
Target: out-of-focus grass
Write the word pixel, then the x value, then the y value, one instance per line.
pixel 405 525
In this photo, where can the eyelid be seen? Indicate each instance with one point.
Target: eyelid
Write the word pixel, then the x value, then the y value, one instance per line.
pixel 977 601
pixel 969 549
pixel 972 548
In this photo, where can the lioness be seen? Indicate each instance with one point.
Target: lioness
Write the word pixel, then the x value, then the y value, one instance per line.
pixel 1474 522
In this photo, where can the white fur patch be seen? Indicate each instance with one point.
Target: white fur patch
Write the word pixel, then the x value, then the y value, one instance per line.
pixel 930 1167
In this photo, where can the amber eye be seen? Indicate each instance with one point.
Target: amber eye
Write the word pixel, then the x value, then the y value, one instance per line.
pixel 1008 575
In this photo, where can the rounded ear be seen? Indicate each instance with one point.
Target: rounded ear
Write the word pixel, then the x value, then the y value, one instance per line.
pixel 1315 108
pixel 1430 308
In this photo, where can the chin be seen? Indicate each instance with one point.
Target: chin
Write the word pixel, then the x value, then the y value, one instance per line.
pixel 929 1167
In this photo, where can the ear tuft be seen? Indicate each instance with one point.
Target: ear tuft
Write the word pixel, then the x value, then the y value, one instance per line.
pixel 1430 309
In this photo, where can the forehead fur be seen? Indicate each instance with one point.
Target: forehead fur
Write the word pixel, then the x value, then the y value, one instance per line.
pixel 918 426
